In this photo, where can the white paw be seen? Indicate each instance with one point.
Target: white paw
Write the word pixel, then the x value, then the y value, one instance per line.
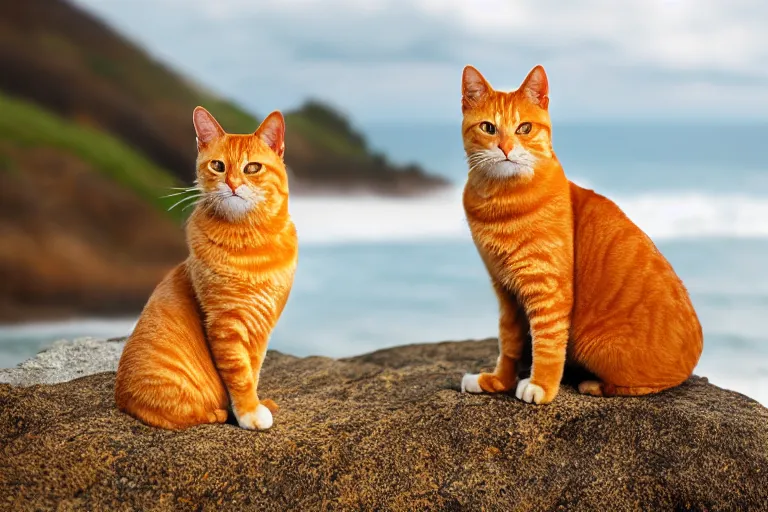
pixel 470 383
pixel 528 392
pixel 260 419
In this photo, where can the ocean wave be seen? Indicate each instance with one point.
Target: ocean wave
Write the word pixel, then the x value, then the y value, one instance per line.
pixel 440 216
pixel 755 388
pixel 67 329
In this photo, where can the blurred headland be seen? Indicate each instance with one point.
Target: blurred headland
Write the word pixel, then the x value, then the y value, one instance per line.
pixel 93 132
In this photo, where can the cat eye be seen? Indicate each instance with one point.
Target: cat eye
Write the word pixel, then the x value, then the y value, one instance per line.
pixel 488 128
pixel 524 129
pixel 252 168
pixel 216 165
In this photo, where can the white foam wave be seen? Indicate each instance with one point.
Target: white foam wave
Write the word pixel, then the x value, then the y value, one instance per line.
pixel 697 215
pixel 343 219
pixel 740 368
pixel 756 387
pixel 663 215
pixel 68 329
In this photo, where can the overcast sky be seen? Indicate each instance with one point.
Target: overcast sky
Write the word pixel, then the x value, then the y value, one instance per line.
pixel 391 60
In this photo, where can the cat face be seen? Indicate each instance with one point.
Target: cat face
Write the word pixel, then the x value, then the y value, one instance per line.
pixel 506 134
pixel 241 177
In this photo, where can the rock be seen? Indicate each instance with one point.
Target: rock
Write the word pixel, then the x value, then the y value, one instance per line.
pixel 66 360
pixel 389 431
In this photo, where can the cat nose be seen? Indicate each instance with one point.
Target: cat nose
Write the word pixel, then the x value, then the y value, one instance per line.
pixel 231 183
pixel 506 146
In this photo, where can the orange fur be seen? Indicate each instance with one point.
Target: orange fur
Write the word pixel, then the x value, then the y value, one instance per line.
pixel 200 342
pixel 566 263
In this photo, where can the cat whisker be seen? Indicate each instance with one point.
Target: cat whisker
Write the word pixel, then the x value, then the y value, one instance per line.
pixel 187 191
pixel 193 187
pixel 188 198
pixel 480 160
pixel 481 164
pixel 193 204
pixel 481 157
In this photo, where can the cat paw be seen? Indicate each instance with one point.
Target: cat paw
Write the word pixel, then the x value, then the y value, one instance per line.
pixel 528 392
pixel 591 387
pixel 260 419
pixel 485 383
pixel 470 383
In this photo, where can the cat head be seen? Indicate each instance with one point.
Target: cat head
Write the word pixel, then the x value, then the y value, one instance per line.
pixel 241 177
pixel 506 134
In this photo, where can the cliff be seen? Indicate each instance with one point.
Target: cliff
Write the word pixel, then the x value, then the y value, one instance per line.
pixel 386 431
pixel 62 58
pixel 93 132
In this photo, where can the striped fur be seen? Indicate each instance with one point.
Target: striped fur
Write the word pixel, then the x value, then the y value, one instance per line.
pixel 572 273
pixel 200 342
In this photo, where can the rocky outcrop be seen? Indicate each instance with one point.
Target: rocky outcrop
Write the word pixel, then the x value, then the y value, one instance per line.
pixel 66 360
pixel 389 431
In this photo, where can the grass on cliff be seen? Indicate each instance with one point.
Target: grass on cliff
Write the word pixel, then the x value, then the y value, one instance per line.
pixel 28 126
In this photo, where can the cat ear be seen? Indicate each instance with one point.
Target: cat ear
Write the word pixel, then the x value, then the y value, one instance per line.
pixel 473 87
pixel 536 87
pixel 272 131
pixel 206 127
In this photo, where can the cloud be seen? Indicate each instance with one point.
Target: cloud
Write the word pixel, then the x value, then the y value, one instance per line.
pixel 392 59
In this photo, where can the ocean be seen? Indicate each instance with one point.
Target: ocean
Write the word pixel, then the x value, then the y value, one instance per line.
pixel 377 272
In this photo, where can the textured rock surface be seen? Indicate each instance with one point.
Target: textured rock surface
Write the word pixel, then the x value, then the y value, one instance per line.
pixel 66 360
pixel 389 431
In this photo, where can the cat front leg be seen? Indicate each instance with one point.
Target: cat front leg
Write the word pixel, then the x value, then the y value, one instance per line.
pixel 228 339
pixel 513 327
pixel 549 314
pixel 258 354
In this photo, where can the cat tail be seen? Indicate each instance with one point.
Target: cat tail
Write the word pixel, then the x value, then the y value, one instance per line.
pixel 595 388
pixel 611 390
pixel 269 404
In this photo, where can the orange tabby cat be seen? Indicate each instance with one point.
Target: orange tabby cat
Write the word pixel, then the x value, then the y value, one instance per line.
pixel 201 339
pixel 566 264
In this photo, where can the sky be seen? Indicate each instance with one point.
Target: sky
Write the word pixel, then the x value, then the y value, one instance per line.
pixel 392 61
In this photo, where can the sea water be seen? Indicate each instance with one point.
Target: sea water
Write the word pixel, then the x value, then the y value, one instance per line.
pixel 376 272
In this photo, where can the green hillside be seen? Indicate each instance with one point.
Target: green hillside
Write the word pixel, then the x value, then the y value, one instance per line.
pixel 93 132
pixel 54 54
pixel 28 126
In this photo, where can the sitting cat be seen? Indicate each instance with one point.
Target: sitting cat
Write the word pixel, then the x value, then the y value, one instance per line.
pixel 568 267
pixel 201 339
